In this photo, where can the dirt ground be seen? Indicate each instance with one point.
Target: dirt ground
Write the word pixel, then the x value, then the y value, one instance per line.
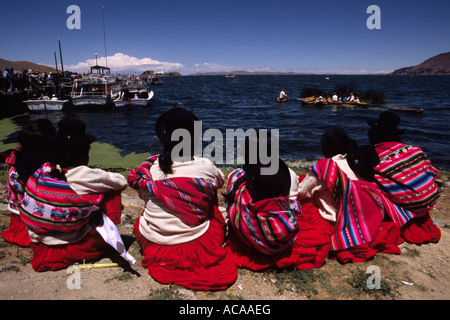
pixel 419 273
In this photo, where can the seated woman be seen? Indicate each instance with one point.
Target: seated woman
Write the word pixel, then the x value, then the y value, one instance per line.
pixel 267 226
pixel 407 177
pixel 181 230
pixel 65 201
pixel 35 149
pixel 343 190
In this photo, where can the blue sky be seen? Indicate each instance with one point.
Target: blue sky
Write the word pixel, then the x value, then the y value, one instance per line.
pixel 189 36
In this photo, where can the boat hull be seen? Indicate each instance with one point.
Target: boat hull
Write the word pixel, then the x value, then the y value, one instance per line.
pixel 45 105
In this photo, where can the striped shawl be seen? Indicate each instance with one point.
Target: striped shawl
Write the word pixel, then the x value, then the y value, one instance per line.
pixel 269 226
pixel 190 199
pixel 51 205
pixel 406 176
pixel 362 206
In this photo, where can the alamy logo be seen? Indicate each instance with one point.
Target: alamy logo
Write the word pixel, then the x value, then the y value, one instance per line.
pixel 258 146
pixel 374 21
pixel 74 20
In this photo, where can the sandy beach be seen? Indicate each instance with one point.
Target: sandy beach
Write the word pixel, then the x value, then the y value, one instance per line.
pixel 418 273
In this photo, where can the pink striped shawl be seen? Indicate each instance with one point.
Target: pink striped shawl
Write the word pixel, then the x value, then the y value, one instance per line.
pixel 50 204
pixel 190 199
pixel 407 177
pixel 362 206
pixel 14 185
pixel 269 226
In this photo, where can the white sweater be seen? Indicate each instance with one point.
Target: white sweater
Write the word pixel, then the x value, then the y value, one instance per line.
pixel 158 224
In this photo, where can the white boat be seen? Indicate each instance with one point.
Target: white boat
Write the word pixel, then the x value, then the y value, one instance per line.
pixel 133 94
pixel 45 105
pixel 91 94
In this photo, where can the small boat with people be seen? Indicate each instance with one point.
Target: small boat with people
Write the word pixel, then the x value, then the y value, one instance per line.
pixel 133 94
pixel 229 75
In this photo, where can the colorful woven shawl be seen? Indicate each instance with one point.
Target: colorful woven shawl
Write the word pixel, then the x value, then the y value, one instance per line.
pixel 406 176
pixel 269 226
pixel 190 199
pixel 50 204
pixel 15 187
pixel 362 206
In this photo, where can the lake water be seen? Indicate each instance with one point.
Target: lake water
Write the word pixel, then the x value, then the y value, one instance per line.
pixel 250 102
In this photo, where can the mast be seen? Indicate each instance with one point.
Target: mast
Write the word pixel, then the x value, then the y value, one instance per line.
pixel 104 35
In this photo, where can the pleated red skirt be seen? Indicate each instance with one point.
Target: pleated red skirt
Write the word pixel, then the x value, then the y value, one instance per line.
pixel 17 232
pixel 51 258
pixel 202 264
pixel 309 251
pixel 421 230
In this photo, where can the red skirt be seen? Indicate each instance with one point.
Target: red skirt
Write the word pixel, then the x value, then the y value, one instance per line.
pixel 202 264
pixel 17 232
pixel 309 251
pixel 421 230
pixel 386 241
pixel 51 258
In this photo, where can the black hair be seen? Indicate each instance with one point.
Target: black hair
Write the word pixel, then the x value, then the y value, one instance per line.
pixel 167 123
pixel 336 141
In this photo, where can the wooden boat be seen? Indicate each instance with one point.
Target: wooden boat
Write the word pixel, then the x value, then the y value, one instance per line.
pixel 230 75
pixel 281 99
pixel 405 109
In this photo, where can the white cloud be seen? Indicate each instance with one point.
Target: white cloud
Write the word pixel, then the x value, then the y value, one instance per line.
pixel 122 63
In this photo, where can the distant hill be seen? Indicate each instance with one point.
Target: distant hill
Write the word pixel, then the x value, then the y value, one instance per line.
pixel 24 65
pixel 437 65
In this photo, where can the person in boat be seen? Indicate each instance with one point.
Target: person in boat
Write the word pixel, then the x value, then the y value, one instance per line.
pixel 335 98
pixel 181 230
pixel 351 98
pixel 66 203
pixel 35 139
pixel 341 188
pixel 407 177
pixel 283 95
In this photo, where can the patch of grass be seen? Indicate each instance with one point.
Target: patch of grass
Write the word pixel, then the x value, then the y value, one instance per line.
pixel 11 267
pixel 166 293
pixel 125 276
pixel 298 281
pixel 411 252
pixel 359 281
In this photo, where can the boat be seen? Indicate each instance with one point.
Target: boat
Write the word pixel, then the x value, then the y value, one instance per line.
pixel 230 75
pixel 92 93
pixel 133 94
pixel 281 99
pixel 45 104
pixel 321 101
pixel 401 109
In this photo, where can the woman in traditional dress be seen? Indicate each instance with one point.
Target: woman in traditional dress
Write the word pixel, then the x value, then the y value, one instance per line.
pixel 35 149
pixel 268 228
pixel 66 204
pixel 181 230
pixel 407 177
pixel 342 189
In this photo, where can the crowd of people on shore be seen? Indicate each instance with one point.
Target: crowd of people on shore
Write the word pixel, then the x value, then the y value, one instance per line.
pixel 353 203
pixel 27 80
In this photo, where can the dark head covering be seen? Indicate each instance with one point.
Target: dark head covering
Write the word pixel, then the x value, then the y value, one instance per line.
pixel 335 141
pixel 167 123
pixel 36 139
pixel 72 144
pixel 385 128
pixel 261 186
pixel 362 160
pixel 73 130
